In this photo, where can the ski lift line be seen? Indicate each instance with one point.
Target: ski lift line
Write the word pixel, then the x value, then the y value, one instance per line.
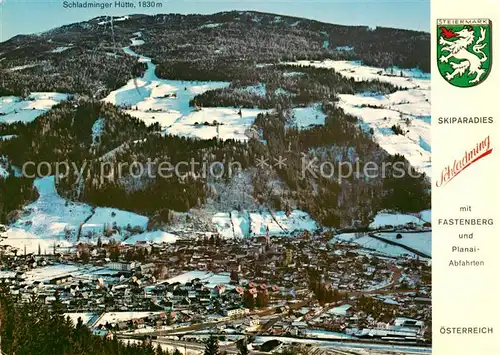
pixel 275 220
pixel 232 224
pixel 269 210
pixel 115 49
pixel 113 34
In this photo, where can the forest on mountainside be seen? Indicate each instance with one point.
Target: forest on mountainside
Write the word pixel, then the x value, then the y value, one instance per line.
pixel 15 192
pixel 126 141
pixel 64 134
pixel 87 58
pixel 286 86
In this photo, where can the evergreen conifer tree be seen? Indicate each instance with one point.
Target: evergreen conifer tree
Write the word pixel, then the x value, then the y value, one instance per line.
pixel 212 346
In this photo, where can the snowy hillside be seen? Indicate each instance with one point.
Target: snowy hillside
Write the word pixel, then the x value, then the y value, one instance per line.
pixel 250 224
pixel 48 220
pixel 306 117
pixel 409 108
pixel 377 246
pixel 53 221
pixel 231 124
pixel 384 219
pixel 358 71
pixel 14 109
pixel 155 100
pixel 103 218
pixel 294 97
pixel 418 241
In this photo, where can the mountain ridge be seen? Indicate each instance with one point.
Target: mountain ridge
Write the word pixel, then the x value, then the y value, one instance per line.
pixel 216 14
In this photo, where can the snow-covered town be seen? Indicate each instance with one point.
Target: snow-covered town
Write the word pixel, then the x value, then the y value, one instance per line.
pixel 309 285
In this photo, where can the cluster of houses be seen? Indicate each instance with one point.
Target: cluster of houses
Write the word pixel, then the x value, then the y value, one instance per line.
pixel 228 282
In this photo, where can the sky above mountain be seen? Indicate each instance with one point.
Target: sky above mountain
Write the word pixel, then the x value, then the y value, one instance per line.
pixel 29 16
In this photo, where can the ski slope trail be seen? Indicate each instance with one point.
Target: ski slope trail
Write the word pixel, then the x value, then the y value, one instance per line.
pixel 168 103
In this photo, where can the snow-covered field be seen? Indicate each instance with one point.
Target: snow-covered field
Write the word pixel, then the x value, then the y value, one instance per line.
pixel 307 117
pixel 78 272
pixel 383 219
pixel 373 244
pixel 249 224
pixel 211 278
pixel 232 225
pixel 344 48
pixel 419 241
pixel 297 221
pixel 53 221
pixel 116 317
pixel 412 117
pixel 409 108
pixel 109 217
pixel 156 237
pixel 231 124
pixel 359 72
pixel 45 273
pixel 14 109
pixel 155 100
pixel 47 221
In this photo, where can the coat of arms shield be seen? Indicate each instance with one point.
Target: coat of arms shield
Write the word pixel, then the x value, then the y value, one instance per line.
pixel 464 54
